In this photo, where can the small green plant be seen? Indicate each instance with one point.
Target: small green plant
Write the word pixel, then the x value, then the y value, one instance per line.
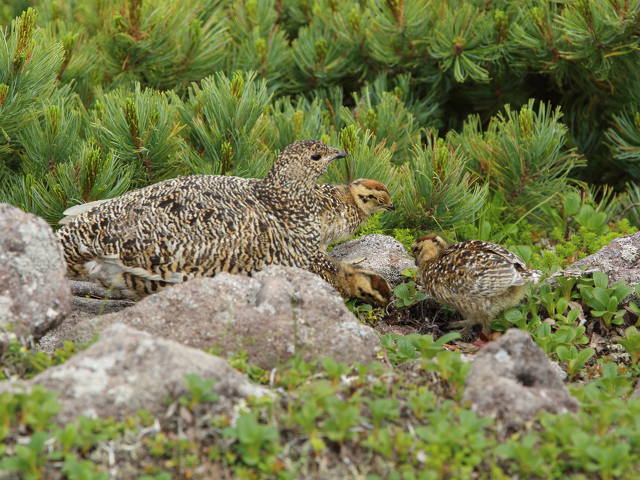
pixel 550 340
pixel 28 459
pixel 240 361
pixel 407 293
pixel 365 312
pixel 24 362
pixel 405 236
pixel 342 417
pixel 614 381
pixel 574 358
pixel 200 390
pixel 383 409
pixel 334 369
pixel 157 476
pixel 76 469
pixel 32 442
pixel 519 450
pixel 603 300
pixel 441 436
pixel 430 353
pixel 631 343
pixel 256 444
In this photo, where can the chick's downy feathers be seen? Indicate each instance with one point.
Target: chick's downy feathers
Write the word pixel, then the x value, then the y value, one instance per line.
pixel 480 279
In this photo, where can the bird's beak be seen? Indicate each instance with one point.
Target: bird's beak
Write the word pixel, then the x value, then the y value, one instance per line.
pixel 341 154
pixel 390 207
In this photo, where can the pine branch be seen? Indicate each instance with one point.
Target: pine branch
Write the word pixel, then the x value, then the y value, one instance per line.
pixel 142 128
pixel 522 153
pixel 221 115
pixel 368 158
pixel 624 138
pixel 54 134
pixel 162 44
pixel 28 74
pixel 93 175
pixel 437 191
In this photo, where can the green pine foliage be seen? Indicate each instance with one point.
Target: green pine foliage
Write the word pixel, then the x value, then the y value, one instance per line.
pixel 217 87
pixel 141 127
pixel 161 44
pixel 93 175
pixel 439 191
pixel 625 140
pixel 521 154
pixel 53 134
pixel 221 116
pixel 29 65
pixel 386 115
pixel 258 41
pixel 368 158
pixel 632 204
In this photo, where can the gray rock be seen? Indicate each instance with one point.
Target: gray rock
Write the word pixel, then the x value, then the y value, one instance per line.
pixel 96 306
pixel 81 309
pixel 82 289
pixel 512 379
pixel 273 315
pixel 381 253
pixel 128 370
pixel 34 291
pixel 620 260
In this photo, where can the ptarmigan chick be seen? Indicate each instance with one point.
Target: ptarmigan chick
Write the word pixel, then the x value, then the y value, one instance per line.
pixel 480 279
pixel 354 282
pixel 343 208
pixel 200 225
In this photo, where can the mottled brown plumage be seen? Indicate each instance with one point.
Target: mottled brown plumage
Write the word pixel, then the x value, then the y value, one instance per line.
pixel 480 279
pixel 200 225
pixel 352 281
pixel 343 208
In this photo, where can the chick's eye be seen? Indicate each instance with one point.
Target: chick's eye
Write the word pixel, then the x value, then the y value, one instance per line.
pixel 316 156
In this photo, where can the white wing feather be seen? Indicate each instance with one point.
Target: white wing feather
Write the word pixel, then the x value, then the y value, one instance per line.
pixel 72 212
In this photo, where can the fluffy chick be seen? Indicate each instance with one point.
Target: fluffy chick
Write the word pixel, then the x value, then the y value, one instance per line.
pixel 343 208
pixel 352 281
pixel 480 279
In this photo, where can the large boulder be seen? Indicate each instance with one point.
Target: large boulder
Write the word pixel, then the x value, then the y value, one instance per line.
pixel 34 291
pixel 620 260
pixel 277 313
pixel 380 253
pixel 128 370
pixel 512 379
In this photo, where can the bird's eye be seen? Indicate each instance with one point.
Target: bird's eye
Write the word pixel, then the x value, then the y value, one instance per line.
pixel 316 156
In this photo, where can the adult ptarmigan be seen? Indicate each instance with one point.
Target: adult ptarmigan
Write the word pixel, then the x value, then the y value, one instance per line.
pixel 200 225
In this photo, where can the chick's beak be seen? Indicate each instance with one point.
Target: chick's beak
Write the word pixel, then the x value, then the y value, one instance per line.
pixel 390 207
pixel 340 154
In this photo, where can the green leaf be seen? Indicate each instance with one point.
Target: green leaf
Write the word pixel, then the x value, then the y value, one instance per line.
pixel 600 280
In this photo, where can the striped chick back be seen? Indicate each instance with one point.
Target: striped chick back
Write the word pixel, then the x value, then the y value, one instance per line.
pixel 480 279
